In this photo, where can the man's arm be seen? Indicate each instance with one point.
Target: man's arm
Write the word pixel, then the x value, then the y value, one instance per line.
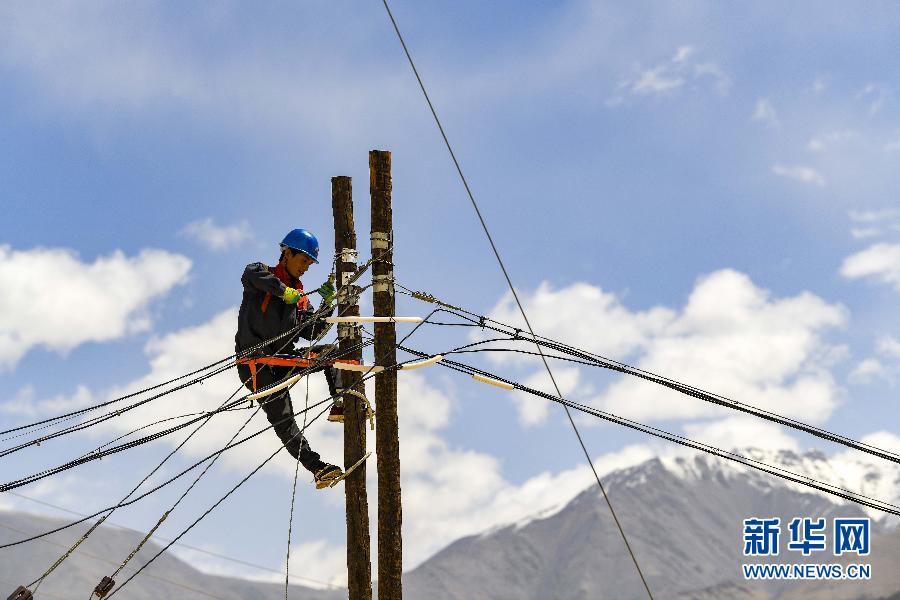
pixel 257 276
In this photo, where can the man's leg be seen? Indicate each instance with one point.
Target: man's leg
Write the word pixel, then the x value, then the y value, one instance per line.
pixel 279 410
pixel 332 377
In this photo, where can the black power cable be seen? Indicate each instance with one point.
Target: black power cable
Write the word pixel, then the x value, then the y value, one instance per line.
pixel 512 289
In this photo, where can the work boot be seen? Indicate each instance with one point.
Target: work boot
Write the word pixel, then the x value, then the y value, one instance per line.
pixel 326 476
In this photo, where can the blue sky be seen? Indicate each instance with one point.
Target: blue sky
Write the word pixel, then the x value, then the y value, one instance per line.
pixel 701 189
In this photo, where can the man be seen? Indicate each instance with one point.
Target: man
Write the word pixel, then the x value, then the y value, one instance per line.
pixel 274 303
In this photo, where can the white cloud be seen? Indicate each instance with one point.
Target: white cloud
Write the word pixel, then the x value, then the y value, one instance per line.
pixel 672 75
pixel 880 262
pixel 874 223
pixel 585 316
pixel 682 54
pixel 734 339
pixel 824 141
pixel 731 338
pixel 799 173
pixel 874 216
pixel 862 233
pixel 875 95
pixel 868 371
pixel 889 346
pixel 41 287
pixel 330 561
pixel 655 82
pixel 534 410
pixel 24 403
pixel 217 238
pixel 765 113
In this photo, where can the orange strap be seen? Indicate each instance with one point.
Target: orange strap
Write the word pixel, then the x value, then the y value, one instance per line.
pixel 286 361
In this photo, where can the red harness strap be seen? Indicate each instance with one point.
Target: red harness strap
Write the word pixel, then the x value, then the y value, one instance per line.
pixel 286 361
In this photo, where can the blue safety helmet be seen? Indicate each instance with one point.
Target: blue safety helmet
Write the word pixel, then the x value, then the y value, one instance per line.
pixel 303 241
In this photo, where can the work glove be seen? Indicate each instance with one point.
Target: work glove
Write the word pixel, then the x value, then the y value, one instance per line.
pixel 327 291
pixel 291 296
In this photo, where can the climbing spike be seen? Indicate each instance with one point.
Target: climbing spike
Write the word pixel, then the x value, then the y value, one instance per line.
pixel 21 593
pixel 104 587
pixel 370 412
pixel 350 470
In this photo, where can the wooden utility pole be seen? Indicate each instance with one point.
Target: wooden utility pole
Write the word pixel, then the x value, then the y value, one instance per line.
pixel 359 565
pixel 387 436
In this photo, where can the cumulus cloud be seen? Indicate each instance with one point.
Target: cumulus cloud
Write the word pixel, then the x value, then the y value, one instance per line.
pixel 764 112
pixel 43 286
pixel 880 263
pixel 799 173
pixel 215 237
pixel 734 339
pixel 584 315
pixel 731 338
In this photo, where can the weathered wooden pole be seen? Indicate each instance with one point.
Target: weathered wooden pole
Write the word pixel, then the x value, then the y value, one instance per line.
pixel 387 435
pixel 359 565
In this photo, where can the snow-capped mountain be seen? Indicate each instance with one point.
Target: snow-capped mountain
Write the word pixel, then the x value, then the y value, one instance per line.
pixel 684 520
pixel 168 577
pixel 683 516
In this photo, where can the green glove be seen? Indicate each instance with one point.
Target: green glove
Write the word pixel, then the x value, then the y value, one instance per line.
pixel 326 290
pixel 291 296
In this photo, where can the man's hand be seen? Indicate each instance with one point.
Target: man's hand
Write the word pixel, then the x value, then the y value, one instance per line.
pixel 326 290
pixel 291 296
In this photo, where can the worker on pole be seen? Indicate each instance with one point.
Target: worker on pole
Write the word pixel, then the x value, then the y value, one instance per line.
pixel 274 303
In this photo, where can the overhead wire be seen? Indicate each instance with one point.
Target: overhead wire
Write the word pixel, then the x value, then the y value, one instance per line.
pixel 512 289
pixel 858 498
pixel 363 377
pixel 299 328
pixel 224 557
pixel 586 357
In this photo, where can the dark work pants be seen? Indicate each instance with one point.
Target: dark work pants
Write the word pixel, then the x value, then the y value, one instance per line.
pixel 280 413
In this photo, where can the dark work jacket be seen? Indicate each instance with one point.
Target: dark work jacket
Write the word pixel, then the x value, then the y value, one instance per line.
pixel 264 315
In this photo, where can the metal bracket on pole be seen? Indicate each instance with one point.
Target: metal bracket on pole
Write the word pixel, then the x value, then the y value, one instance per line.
pixel 346 278
pixel 383 283
pixel 348 331
pixel 380 240
pixel 349 255
pixel 349 294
